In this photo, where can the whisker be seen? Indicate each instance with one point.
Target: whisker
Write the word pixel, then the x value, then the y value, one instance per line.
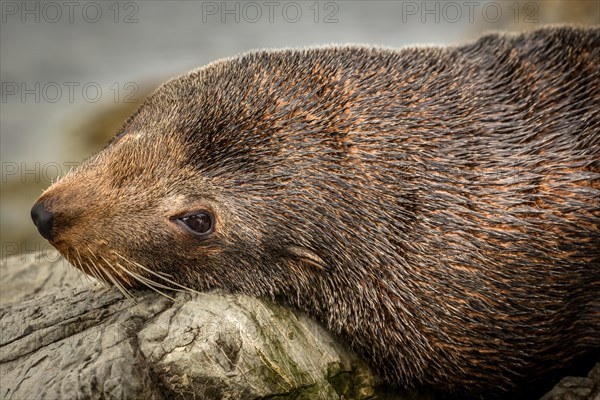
pixel 162 275
pixel 145 280
pixel 91 267
pixel 116 282
pixel 97 273
pixel 79 267
pixel 172 282
pixel 150 284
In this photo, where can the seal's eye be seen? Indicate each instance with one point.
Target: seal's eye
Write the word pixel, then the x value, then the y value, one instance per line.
pixel 201 223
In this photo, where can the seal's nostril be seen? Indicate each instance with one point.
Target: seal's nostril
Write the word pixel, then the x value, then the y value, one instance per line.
pixel 43 219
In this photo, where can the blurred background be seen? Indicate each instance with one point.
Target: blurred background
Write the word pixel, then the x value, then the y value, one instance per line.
pixel 72 71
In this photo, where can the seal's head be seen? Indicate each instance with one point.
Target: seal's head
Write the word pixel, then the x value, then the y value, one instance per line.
pixel 440 216
pixel 194 191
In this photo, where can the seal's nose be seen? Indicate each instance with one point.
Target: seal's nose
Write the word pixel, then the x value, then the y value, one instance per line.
pixel 43 219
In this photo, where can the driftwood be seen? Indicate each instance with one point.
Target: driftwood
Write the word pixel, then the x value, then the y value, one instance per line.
pixel 65 336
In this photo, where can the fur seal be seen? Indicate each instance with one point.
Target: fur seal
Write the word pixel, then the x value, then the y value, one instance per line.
pixel 438 208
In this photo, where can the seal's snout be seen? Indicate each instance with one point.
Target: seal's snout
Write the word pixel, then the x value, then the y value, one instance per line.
pixel 43 219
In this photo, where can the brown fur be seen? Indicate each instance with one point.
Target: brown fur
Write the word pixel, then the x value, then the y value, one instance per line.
pixel 439 208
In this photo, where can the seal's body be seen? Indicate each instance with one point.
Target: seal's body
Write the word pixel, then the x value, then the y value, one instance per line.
pixel 439 208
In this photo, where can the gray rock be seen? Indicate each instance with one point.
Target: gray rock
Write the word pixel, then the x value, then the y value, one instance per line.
pixel 66 336
pixel 63 335
pixel 577 388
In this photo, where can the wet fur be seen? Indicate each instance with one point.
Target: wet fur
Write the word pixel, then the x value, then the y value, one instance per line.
pixel 438 208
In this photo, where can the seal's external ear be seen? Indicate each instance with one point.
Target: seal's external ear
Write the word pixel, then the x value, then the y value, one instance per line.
pixel 305 255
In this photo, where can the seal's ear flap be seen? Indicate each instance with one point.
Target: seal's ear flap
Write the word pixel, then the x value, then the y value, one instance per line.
pixel 306 256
